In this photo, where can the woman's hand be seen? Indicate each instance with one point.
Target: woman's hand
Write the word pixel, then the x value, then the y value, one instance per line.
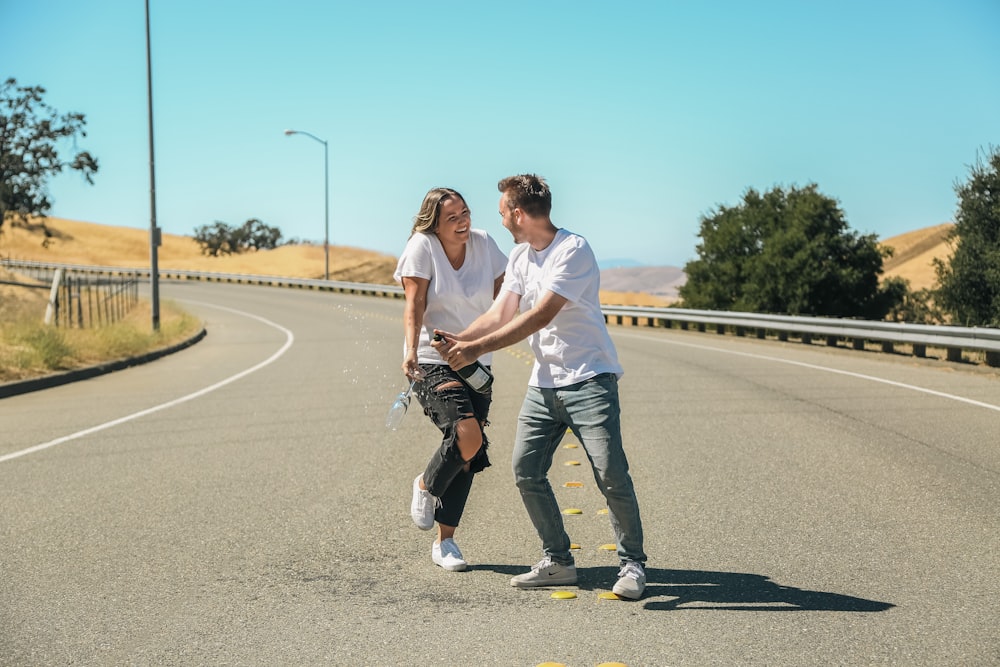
pixel 411 369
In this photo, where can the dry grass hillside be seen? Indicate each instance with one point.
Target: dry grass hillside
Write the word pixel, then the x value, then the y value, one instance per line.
pixel 914 254
pixel 74 242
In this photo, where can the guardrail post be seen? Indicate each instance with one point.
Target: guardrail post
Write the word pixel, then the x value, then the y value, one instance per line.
pixel 701 327
pixel 919 350
pixel 783 336
pixel 720 329
pixel 807 339
pixel 831 341
pixel 762 333
pixel 52 309
pixel 993 359
pixel 858 343
pixel 954 354
pixel 888 347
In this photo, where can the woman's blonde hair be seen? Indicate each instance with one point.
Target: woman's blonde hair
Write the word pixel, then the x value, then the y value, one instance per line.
pixel 426 221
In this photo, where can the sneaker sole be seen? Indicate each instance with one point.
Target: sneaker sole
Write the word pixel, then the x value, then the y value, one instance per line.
pixel 453 568
pixel 542 584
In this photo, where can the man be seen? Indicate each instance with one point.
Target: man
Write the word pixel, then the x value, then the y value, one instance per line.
pixel 550 295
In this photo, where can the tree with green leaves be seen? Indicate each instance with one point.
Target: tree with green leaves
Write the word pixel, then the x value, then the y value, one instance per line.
pixel 969 290
pixel 29 133
pixel 222 239
pixel 790 252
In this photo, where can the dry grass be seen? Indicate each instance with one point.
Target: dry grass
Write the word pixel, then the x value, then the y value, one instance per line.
pixel 29 348
pixel 915 252
pixel 74 242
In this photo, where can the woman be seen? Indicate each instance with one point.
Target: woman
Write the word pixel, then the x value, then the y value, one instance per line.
pixel 450 274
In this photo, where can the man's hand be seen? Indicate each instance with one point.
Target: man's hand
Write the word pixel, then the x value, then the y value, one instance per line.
pixel 458 354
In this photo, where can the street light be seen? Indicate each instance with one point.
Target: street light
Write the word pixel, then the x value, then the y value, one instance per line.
pixel 326 185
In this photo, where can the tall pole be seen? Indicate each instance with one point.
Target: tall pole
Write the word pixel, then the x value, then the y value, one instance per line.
pixel 326 208
pixel 154 232
pixel 326 190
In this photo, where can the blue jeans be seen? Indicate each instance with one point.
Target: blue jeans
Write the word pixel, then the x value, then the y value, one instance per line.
pixel 591 410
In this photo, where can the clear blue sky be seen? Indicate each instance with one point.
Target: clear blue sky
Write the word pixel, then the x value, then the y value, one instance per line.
pixel 643 116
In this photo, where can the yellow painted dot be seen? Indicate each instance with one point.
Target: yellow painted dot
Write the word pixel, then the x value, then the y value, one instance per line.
pixel 608 595
pixel 603 511
pixel 572 463
pixel 574 546
pixel 570 445
pixel 608 547
pixel 573 485
pixel 563 595
pixel 572 510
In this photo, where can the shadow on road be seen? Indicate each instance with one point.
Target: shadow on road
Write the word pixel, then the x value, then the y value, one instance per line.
pixel 682 590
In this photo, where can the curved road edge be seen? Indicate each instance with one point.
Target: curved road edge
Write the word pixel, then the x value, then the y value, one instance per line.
pixel 56 379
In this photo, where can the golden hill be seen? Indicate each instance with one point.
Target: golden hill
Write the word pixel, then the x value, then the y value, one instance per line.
pixel 73 242
pixel 914 254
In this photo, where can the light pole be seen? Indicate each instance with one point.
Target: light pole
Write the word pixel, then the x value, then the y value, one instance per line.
pixel 154 231
pixel 326 190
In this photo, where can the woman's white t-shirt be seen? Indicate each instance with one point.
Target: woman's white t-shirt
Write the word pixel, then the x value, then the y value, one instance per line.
pixel 455 297
pixel 575 346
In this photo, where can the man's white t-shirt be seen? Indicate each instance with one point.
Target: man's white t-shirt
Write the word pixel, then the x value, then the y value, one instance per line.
pixel 575 346
pixel 455 297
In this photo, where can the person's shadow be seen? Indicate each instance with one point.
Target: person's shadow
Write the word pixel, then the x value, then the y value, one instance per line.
pixel 682 590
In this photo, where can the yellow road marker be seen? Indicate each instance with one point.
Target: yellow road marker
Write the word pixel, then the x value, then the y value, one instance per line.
pixel 572 463
pixel 608 547
pixel 573 485
pixel 563 595
pixel 603 511
pixel 573 546
pixel 572 510
pixel 607 595
pixel 570 445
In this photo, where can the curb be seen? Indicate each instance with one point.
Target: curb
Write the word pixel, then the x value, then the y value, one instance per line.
pixel 57 379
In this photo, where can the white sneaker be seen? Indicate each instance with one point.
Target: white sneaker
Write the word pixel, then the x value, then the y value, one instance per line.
pixel 422 506
pixel 446 554
pixel 546 573
pixel 631 581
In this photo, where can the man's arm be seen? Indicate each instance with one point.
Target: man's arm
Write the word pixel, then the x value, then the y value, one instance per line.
pixel 477 341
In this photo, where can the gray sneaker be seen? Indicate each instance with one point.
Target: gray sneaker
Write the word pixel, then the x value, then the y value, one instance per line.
pixel 546 573
pixel 631 581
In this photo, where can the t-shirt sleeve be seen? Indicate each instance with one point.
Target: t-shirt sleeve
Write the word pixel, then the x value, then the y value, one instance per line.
pixel 513 281
pixel 415 262
pixel 573 269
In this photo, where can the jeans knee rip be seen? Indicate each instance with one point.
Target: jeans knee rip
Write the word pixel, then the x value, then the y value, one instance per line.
pixel 453 384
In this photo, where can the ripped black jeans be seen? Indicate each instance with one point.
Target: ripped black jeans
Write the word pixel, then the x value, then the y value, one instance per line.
pixel 445 476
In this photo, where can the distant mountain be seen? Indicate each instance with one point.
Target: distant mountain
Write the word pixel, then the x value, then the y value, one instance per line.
pixel 661 281
pixel 617 263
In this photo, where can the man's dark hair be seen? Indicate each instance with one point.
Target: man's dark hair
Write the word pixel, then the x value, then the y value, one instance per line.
pixel 528 192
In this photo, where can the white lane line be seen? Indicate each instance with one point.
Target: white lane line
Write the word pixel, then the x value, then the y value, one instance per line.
pixel 289 339
pixel 861 376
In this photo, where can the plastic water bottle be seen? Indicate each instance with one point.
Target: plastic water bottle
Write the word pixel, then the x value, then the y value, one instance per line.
pixel 475 374
pixel 398 409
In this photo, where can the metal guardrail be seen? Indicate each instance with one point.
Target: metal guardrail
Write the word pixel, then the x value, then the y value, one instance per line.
pixel 834 330
pixel 954 340
pixel 372 289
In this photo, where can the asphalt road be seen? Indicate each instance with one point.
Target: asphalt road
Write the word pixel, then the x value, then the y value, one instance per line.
pixel 241 502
